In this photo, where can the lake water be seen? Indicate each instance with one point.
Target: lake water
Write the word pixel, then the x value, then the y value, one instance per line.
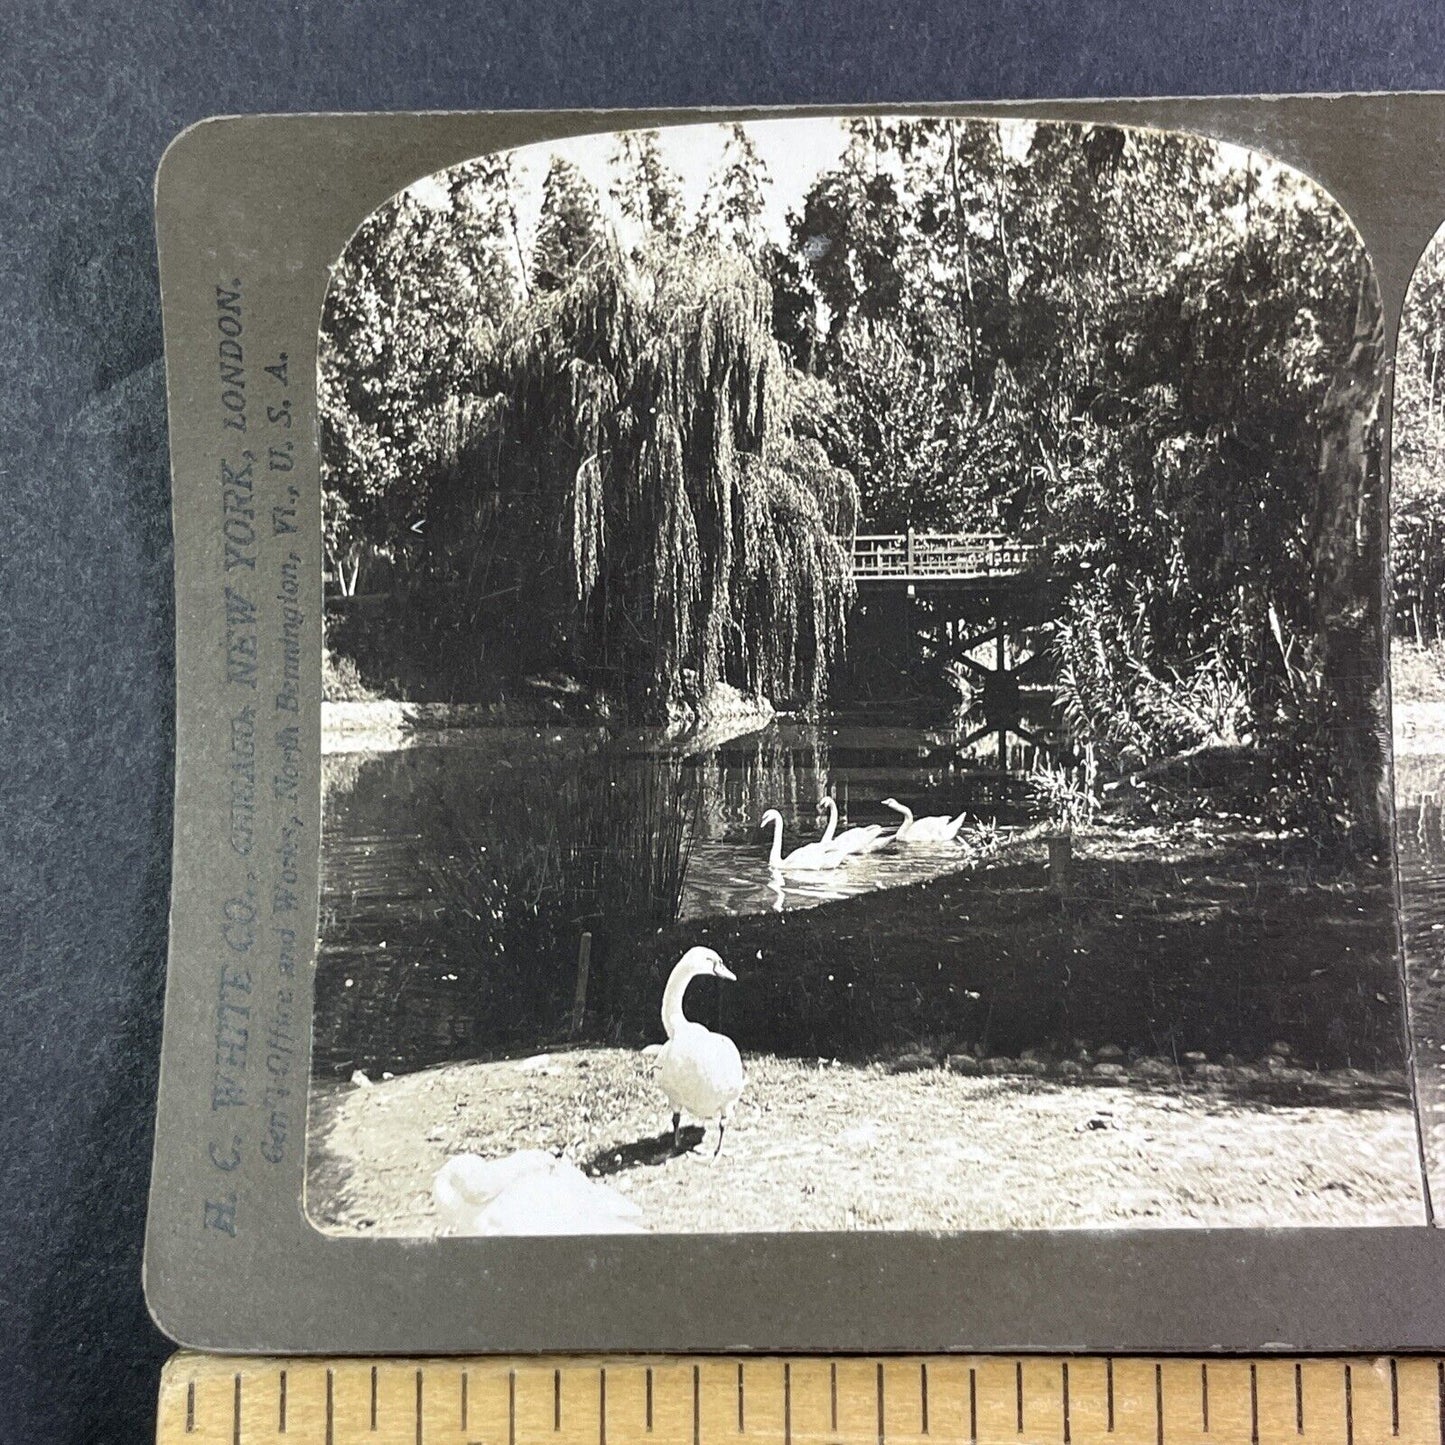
pixel 496 845
pixel 790 767
pixel 1420 831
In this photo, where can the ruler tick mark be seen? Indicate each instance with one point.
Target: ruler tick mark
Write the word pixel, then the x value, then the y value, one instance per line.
pixel 1264 1421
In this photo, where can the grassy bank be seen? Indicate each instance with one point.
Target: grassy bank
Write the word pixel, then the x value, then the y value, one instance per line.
pixel 1193 940
pixel 1177 941
pixel 857 1147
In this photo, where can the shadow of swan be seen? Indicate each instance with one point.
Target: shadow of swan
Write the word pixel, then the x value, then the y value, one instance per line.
pixel 616 1158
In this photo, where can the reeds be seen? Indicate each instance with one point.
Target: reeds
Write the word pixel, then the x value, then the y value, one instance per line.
pixel 598 844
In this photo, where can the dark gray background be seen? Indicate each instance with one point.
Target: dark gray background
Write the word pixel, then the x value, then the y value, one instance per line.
pixel 92 93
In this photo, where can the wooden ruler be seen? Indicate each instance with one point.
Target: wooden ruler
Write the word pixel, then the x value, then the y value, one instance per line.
pixel 717 1400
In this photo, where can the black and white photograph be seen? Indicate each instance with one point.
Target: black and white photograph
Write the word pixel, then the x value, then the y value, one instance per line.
pixel 855 690
pixel 1417 673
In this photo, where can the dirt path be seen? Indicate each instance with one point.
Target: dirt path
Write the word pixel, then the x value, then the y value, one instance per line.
pixel 822 1146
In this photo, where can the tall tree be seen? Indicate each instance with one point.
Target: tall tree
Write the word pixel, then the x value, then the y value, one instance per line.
pixel 644 189
pixel 1121 342
pixel 795 307
pixel 732 207
pixel 1348 526
pixel 412 305
pixel 570 230
pixel 1417 455
pixel 878 259
pixel 851 233
pixel 649 484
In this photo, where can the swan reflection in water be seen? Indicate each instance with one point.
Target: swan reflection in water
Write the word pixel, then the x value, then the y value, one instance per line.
pixel 800 890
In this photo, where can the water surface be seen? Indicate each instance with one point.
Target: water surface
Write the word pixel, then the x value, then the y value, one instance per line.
pixel 491 851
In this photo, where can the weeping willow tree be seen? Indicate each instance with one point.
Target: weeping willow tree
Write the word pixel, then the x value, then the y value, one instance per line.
pixel 644 497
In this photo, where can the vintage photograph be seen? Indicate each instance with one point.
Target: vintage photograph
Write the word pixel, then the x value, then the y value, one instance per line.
pixel 1417 673
pixel 855 691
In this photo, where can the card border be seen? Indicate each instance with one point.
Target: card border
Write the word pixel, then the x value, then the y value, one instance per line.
pixel 271 200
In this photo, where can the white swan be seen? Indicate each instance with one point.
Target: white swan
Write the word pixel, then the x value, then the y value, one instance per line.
pixel 851 840
pixel 810 858
pixel 529 1192
pixel 937 829
pixel 701 1072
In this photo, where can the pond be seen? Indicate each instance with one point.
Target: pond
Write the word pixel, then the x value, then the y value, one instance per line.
pixel 1420 833
pixel 458 875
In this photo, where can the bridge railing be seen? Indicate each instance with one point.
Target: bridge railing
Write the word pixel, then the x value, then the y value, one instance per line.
pixel 918 556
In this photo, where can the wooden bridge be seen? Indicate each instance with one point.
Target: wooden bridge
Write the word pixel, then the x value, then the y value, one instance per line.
pixel 969 600
pixel 931 557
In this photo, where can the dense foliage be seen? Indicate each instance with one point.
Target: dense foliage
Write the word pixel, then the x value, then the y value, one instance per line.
pixel 1417 487
pixel 642 474
pixel 650 418
pixel 1119 343
pixel 410 313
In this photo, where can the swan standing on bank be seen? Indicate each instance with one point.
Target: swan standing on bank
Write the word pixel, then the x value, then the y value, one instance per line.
pixel 701 1072
pixel 938 829
pixel 810 858
pixel 851 840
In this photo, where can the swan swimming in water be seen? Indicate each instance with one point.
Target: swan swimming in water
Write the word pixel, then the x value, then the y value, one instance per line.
pixel 938 829
pixel 701 1072
pixel 810 858
pixel 529 1192
pixel 851 840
